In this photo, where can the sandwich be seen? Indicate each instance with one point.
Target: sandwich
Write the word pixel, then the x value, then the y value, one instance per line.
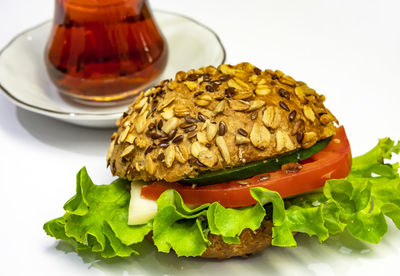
pixel 224 162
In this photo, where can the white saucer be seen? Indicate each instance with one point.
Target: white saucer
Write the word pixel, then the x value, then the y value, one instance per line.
pixel 24 80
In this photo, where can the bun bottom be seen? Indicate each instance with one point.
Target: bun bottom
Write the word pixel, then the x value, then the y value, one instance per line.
pixel 251 242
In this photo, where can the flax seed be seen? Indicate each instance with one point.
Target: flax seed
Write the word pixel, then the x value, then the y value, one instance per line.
pixel 292 115
pixel 178 139
pixel 284 106
pixel 243 132
pixel 222 128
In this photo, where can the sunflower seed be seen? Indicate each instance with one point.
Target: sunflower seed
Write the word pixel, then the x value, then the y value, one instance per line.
pixel 242 95
pixel 202 102
pixel 201 137
pixel 240 139
pixel 169 156
pixel 288 80
pixel 202 117
pixel 239 105
pixel 309 139
pixel 196 148
pixel 299 125
pixel 123 135
pixel 238 84
pixel 181 154
pixel 207 158
pixel 290 168
pixel 271 117
pixel 254 105
pixel 309 113
pixel 172 85
pixel 223 148
pixel 283 141
pixel 140 142
pixel 149 165
pixel 227 69
pixel 198 163
pixel 324 119
pixel 170 125
pixel 260 136
pixel 262 90
pixel 130 138
pixel 165 103
pixel 191 85
pixel 180 76
pixel 219 107
pixel 141 103
pixel 181 111
pixel 211 131
pixel 167 114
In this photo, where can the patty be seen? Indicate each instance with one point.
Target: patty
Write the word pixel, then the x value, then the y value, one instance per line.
pixel 214 118
pixel 251 242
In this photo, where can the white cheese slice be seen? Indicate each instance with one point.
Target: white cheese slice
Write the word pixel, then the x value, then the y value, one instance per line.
pixel 141 210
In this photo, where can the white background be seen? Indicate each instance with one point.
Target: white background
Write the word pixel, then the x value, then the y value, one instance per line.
pixel 347 50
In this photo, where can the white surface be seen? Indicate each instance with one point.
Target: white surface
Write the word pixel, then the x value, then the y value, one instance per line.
pixel 24 79
pixel 348 50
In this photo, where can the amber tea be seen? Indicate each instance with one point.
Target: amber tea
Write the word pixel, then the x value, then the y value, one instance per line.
pixel 104 50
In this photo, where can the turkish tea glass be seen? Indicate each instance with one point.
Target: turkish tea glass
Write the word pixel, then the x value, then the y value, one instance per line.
pixel 104 51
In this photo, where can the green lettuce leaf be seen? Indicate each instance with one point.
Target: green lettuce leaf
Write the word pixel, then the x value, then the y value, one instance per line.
pixel 230 222
pixel 96 217
pixel 358 203
pixel 178 227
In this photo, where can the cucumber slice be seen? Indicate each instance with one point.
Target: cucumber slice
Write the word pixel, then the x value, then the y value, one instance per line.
pixel 257 167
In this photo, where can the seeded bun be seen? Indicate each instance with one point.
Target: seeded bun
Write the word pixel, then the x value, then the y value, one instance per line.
pixel 213 118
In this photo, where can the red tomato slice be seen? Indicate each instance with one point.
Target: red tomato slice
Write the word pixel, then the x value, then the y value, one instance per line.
pixel 333 162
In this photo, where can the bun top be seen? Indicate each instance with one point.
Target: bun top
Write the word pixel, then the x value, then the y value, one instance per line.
pixel 211 118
